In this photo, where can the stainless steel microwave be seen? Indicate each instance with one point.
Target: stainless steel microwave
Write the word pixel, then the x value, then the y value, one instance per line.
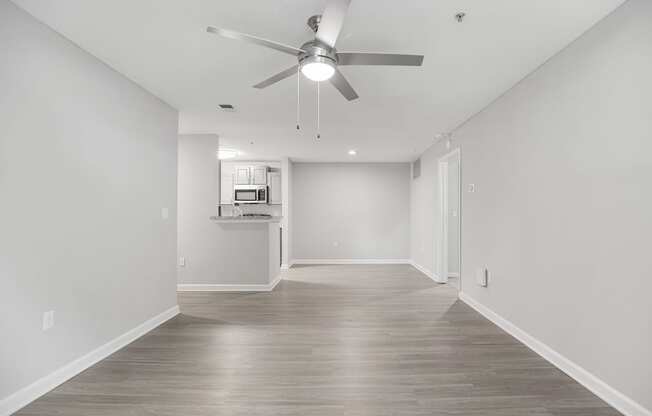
pixel 250 194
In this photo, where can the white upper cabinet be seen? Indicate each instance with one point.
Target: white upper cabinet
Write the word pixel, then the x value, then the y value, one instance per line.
pixel 259 175
pixel 275 195
pixel 242 175
pixel 238 172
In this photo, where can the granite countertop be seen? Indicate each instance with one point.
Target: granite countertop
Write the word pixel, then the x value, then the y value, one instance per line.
pixel 237 220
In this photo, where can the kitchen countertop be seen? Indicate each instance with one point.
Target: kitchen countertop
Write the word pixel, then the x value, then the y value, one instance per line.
pixel 239 220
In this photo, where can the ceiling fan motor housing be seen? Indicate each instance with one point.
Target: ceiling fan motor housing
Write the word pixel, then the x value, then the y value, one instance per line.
pixel 315 51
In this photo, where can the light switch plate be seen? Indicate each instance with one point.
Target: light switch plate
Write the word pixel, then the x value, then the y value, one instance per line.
pixel 182 261
pixel 482 276
pixel 165 213
pixel 48 320
pixel 471 188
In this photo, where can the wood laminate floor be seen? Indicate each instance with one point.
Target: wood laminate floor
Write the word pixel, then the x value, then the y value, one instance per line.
pixel 329 340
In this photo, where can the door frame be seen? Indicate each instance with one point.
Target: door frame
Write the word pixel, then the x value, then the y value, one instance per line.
pixel 442 248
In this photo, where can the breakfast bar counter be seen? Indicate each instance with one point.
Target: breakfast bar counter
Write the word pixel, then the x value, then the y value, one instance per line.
pixel 246 256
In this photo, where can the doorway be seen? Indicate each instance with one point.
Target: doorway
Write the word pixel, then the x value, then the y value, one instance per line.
pixel 449 247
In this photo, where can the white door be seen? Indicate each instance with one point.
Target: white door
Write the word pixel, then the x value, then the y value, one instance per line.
pixel 450 227
pixel 259 175
pixel 242 175
pixel 453 222
pixel 275 194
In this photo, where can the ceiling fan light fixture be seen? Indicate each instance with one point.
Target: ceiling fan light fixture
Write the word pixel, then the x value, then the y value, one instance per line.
pixel 317 68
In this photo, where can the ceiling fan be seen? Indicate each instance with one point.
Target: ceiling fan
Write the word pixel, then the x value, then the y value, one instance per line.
pixel 318 59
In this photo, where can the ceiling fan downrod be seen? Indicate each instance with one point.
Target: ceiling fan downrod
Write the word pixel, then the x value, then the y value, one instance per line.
pixel 313 22
pixel 298 94
pixel 318 133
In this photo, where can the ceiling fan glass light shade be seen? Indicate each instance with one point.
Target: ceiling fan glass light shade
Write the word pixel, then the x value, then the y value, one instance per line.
pixel 318 70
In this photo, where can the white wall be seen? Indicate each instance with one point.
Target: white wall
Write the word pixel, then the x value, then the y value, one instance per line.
pixel 350 211
pixel 87 161
pixel 561 213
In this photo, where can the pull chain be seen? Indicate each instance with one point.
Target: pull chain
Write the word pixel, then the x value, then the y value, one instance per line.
pixel 318 134
pixel 298 93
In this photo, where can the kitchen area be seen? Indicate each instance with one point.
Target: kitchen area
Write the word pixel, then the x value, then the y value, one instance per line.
pixel 250 189
pixel 242 220
pixel 231 220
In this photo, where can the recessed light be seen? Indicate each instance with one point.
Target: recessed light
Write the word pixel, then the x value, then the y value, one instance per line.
pixel 352 152
pixel 227 153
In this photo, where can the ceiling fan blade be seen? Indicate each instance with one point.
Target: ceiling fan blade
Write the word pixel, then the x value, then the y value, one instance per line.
pixel 291 50
pixel 343 86
pixel 332 20
pixel 362 58
pixel 276 78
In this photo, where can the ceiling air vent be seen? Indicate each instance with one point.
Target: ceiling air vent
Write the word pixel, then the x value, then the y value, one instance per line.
pixel 227 107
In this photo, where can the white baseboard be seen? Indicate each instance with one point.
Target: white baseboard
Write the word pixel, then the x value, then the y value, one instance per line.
pixel 275 282
pixel 613 397
pixel 26 395
pixel 192 287
pixel 351 261
pixel 425 271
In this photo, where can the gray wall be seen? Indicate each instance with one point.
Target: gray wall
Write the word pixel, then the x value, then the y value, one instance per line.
pixel 286 172
pixel 561 212
pixel 87 162
pixel 213 252
pixel 350 210
pixel 198 196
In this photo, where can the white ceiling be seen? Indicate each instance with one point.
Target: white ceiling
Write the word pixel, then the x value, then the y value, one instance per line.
pixel 162 45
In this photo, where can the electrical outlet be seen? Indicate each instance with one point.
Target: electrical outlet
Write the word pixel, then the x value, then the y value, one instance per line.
pixel 48 320
pixel 165 213
pixel 182 261
pixel 482 276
